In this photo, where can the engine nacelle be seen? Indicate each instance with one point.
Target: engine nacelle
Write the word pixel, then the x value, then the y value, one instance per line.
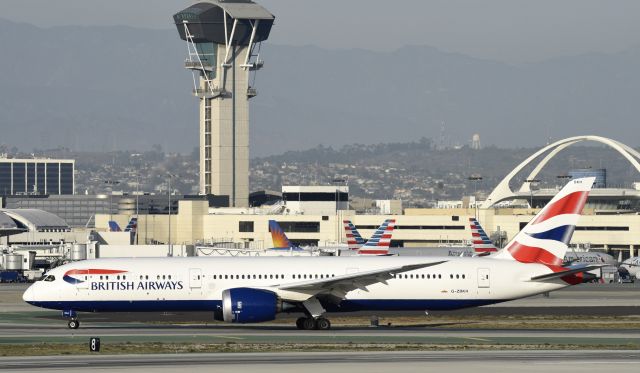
pixel 248 305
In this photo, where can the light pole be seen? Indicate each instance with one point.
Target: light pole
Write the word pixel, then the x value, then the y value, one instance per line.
pixel 475 178
pixel 337 183
pixel 111 183
pixel 169 243
pixel 530 181
pixel 137 157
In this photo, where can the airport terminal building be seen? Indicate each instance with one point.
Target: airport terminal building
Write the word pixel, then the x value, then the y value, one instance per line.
pixel 195 223
pixel 38 176
pixel 314 215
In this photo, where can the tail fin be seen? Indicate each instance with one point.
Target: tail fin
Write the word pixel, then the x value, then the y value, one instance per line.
pixel 480 240
pixel 132 226
pixel 114 227
pixel 545 238
pixel 379 243
pixel 354 239
pixel 280 240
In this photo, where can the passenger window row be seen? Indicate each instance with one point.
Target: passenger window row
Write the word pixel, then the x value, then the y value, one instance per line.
pixel 272 276
pixel 426 276
pixel 142 277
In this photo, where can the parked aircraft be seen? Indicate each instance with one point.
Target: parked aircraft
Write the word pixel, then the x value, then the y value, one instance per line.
pixel 354 239
pixel 480 241
pixel 255 289
pixel 589 257
pixel 631 267
pixel 132 226
pixel 280 240
pixel 377 244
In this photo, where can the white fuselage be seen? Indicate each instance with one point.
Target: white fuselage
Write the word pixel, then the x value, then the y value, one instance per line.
pixel 196 283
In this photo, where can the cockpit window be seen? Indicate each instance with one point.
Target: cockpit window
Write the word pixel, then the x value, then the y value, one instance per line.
pixel 49 278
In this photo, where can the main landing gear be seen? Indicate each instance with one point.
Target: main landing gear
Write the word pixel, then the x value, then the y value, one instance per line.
pixel 309 323
pixel 313 320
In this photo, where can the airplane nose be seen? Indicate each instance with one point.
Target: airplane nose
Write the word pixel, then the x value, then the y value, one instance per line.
pixel 29 294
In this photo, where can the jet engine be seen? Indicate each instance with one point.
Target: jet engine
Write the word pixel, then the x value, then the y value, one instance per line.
pixel 248 305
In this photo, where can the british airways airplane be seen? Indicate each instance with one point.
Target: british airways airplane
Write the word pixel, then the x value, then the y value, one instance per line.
pixel 256 289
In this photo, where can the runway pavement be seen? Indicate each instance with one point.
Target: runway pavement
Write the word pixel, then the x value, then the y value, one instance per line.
pixel 273 334
pixel 23 324
pixel 372 362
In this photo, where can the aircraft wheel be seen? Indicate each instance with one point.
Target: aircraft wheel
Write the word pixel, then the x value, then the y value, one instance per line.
pixel 74 324
pixel 309 323
pixel 300 322
pixel 323 324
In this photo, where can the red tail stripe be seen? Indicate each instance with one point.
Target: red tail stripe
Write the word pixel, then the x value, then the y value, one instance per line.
pixel 529 254
pixel 569 204
pixel 94 272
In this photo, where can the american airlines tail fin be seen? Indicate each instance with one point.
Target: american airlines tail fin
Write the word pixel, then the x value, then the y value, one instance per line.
pixel 480 241
pixel 354 239
pixel 379 243
pixel 132 226
pixel 280 240
pixel 114 227
pixel 545 238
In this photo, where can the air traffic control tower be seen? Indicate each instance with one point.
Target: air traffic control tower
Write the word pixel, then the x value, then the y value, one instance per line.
pixel 223 42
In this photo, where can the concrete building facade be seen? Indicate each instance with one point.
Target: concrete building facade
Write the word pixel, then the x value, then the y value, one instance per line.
pixel 416 228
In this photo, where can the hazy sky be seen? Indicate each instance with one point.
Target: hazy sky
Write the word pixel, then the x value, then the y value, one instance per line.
pixel 506 30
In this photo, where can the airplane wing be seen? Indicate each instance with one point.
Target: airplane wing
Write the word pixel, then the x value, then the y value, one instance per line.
pixel 568 271
pixel 339 286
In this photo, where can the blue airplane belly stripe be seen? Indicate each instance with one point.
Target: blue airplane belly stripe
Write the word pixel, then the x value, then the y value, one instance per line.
pixel 348 305
pixel 132 306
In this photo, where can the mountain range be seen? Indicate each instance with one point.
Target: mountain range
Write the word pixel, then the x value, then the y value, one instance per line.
pixel 112 88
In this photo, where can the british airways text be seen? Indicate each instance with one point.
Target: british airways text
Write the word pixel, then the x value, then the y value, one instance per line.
pixel 144 285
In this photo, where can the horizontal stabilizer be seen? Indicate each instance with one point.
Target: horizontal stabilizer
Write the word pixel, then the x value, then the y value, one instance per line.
pixel 566 272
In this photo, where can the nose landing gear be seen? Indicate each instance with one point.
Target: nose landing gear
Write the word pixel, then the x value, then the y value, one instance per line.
pixel 74 324
pixel 73 318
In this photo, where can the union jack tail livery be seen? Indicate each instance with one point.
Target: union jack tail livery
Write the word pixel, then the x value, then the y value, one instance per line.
pixel 354 239
pixel 480 241
pixel 544 240
pixel 379 243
